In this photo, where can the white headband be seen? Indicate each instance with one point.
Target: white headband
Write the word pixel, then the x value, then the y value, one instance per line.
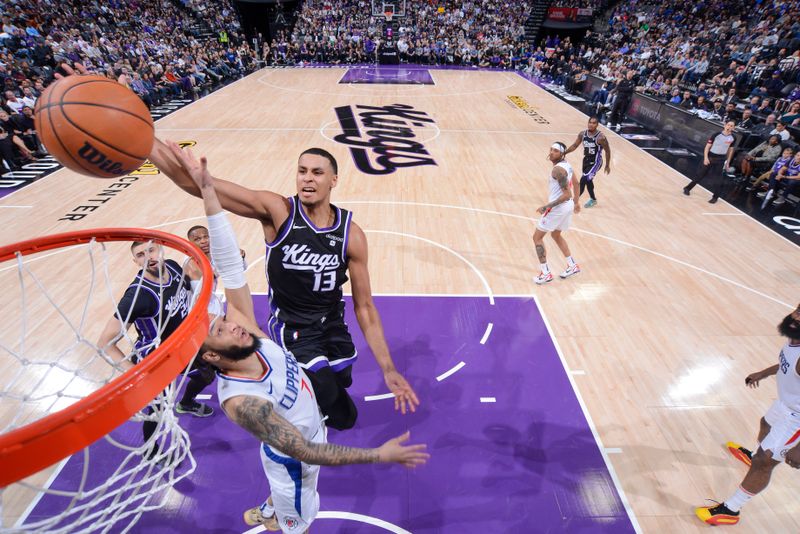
pixel 559 146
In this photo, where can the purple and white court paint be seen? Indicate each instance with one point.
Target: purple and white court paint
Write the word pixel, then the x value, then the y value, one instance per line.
pixel 384 74
pixel 526 462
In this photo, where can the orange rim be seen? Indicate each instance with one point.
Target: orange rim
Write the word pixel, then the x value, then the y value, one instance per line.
pixel 29 449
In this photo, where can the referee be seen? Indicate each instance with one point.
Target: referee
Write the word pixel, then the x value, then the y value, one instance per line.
pixel 719 149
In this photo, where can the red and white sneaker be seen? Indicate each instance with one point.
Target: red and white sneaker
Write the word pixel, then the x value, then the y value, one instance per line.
pixel 543 278
pixel 574 269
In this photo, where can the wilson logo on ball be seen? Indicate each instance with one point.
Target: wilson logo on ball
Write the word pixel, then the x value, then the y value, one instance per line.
pixel 93 156
pixel 94 126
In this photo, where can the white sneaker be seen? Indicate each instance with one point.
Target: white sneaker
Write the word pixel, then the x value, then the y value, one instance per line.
pixel 543 278
pixel 574 269
pixel 617 127
pixel 767 198
pixel 780 201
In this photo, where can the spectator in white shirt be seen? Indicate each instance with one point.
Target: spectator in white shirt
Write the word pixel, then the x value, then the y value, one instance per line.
pixel 780 129
pixel 13 103
pixel 28 97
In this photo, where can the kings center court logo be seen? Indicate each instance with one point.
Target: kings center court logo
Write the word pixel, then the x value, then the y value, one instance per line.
pixel 383 139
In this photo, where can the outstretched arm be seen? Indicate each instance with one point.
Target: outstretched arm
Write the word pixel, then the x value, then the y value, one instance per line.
pixel 224 248
pixel 370 321
pixel 574 145
pixel 265 206
pixel 753 379
pixel 257 416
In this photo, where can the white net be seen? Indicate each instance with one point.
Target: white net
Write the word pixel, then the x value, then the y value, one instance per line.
pixel 56 307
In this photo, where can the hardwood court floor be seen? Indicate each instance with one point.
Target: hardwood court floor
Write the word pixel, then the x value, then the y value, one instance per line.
pixel 677 301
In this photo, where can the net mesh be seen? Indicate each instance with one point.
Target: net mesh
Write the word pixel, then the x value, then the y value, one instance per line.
pixel 57 304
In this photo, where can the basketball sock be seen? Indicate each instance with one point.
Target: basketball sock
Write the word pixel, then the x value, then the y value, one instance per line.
pixel 570 261
pixel 738 499
pixel 148 429
pixel 545 269
pixel 267 510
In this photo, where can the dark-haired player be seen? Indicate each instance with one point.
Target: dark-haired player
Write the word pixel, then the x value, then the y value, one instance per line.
pixel 594 144
pixel 198 235
pixel 312 247
pixel 263 389
pixel 156 302
pixel 779 434
pixel 557 214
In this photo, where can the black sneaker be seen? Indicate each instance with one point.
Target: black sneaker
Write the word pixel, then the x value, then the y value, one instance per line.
pixel 686 191
pixel 713 199
pixel 196 409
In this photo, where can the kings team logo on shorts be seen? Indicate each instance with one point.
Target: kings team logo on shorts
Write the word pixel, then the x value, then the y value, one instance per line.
pixel 382 138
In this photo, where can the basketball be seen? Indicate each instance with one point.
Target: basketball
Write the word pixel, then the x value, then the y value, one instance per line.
pixel 94 126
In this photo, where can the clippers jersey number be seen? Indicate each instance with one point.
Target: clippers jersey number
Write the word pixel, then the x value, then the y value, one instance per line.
pixel 325 281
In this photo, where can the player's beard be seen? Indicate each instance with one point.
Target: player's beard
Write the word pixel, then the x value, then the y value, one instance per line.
pixel 157 271
pixel 240 353
pixel 789 327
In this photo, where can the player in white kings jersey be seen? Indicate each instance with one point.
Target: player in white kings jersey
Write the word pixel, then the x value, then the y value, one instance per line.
pixel 557 213
pixel 263 389
pixel 779 435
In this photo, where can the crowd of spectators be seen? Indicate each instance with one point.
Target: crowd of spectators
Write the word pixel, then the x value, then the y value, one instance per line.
pixel 724 60
pixel 721 59
pixel 147 46
pixel 485 33
pixel 691 56
pixel 219 16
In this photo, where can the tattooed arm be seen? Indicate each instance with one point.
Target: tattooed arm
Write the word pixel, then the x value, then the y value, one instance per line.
pixel 257 416
pixel 560 174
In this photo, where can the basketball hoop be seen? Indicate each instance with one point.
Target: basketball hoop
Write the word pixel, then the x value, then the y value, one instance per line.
pixel 30 447
pixel 388 15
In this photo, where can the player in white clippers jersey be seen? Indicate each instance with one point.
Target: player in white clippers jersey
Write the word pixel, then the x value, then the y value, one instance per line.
pixel 779 435
pixel 263 389
pixel 557 213
pixel 198 235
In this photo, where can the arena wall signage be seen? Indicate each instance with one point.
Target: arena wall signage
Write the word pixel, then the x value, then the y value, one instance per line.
pixel 11 181
pixel 790 223
pixel 387 141
pixel 666 120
